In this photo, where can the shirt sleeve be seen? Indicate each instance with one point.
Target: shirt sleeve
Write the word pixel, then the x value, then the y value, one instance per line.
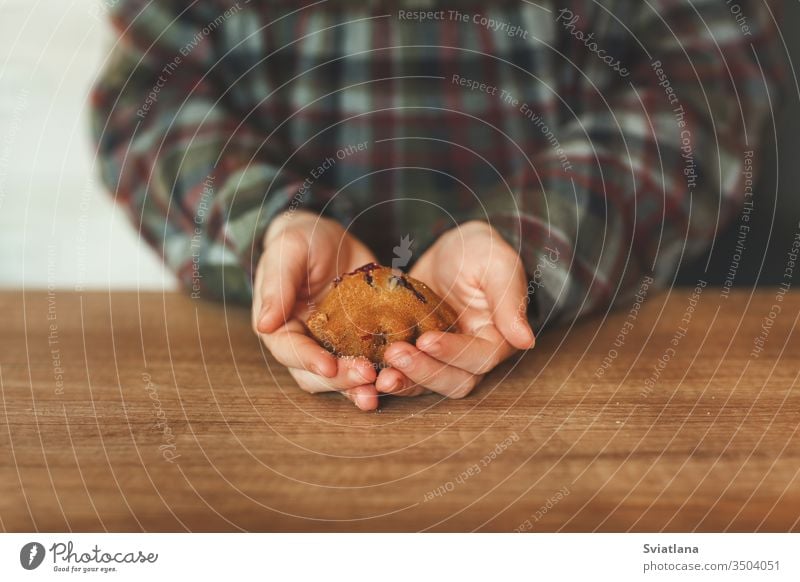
pixel 650 151
pixel 199 181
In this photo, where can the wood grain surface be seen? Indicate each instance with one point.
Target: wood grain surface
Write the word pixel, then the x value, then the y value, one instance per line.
pixel 128 412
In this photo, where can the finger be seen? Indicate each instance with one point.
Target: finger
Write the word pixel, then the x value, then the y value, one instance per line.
pixel 412 391
pixel 392 382
pixel 293 348
pixel 283 268
pixel 350 373
pixel 365 397
pixel 426 371
pixel 255 308
pixel 507 298
pixel 474 354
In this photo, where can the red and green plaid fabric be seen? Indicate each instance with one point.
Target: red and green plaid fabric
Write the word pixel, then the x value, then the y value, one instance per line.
pixel 604 140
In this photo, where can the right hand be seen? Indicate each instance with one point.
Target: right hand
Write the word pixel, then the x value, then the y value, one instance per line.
pixel 303 253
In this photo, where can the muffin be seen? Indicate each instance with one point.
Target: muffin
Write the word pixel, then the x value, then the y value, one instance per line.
pixel 374 306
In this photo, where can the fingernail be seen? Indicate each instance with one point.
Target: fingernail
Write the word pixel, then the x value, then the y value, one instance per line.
pixel 529 333
pixel 356 376
pixel 431 347
pixel 263 314
pixel 401 360
pixel 382 386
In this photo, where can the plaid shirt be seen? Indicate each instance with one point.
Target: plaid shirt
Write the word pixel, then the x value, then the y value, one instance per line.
pixel 604 140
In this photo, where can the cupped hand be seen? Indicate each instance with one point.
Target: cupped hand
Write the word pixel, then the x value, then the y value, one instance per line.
pixel 483 279
pixel 303 253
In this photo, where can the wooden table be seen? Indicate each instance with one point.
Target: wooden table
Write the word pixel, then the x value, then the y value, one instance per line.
pixel 129 411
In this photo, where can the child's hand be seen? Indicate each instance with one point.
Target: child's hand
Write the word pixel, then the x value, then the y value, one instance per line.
pixel 482 277
pixel 303 253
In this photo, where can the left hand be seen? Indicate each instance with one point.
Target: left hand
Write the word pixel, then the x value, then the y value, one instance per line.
pixel 483 279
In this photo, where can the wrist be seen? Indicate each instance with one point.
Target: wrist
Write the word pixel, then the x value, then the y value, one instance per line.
pixel 467 233
pixel 476 226
pixel 287 220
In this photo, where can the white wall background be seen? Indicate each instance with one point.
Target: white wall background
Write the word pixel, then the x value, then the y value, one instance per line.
pixel 57 225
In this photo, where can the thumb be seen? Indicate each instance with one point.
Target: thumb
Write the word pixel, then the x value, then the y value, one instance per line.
pixel 283 268
pixel 508 300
